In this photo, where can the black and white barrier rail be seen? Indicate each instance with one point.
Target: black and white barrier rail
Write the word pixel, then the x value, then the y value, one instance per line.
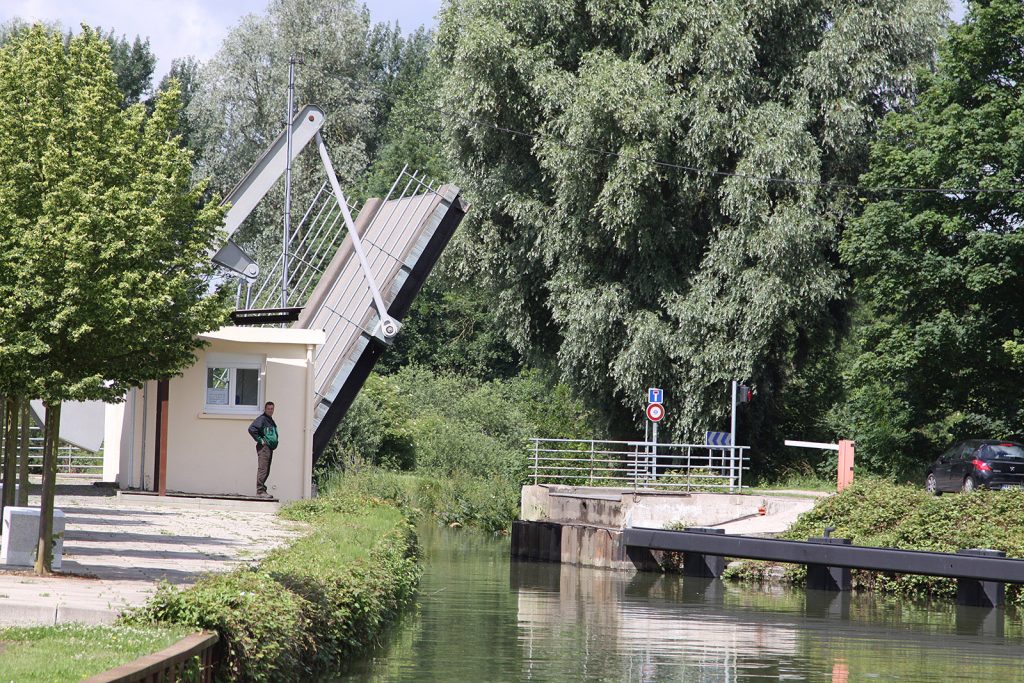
pixel 980 573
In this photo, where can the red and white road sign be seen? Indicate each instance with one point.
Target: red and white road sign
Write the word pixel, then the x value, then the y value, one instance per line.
pixel 655 411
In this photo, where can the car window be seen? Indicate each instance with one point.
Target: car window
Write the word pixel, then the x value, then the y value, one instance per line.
pixel 950 454
pixel 967 451
pixel 1004 451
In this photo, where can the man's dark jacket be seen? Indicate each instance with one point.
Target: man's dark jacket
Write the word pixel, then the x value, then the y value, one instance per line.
pixel 264 430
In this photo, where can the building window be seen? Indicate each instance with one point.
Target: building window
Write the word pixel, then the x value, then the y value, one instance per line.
pixel 233 384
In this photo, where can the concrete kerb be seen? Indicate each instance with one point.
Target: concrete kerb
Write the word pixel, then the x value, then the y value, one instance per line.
pixel 116 552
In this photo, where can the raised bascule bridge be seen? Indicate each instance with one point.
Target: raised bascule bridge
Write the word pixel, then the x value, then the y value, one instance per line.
pixel 351 271
pixel 311 320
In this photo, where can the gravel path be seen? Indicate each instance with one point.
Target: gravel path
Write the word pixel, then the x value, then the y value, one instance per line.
pixel 116 552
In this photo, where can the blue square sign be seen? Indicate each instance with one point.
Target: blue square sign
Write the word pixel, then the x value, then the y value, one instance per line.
pixel 655 396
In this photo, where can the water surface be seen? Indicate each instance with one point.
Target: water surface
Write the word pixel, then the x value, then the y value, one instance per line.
pixel 482 617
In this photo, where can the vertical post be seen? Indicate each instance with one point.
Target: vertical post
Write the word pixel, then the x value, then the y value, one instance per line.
pixel 288 180
pixel 845 474
pixel 591 462
pixel 740 477
pixel 536 461
pixel 162 391
pixel 732 427
pixel 654 451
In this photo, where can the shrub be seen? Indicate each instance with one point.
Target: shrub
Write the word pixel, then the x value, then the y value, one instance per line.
pixel 874 512
pixel 309 605
pixel 264 630
pixel 468 440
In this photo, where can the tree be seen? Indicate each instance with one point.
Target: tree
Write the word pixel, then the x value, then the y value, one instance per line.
pixel 411 135
pixel 104 238
pixel 616 157
pixel 940 275
pixel 238 107
pixel 184 73
pixel 133 61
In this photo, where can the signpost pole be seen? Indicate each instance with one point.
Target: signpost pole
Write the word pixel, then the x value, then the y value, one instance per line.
pixel 732 430
pixel 732 438
pixel 654 440
pixel 647 451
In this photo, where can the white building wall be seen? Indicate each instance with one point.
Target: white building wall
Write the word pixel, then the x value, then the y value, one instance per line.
pixel 213 453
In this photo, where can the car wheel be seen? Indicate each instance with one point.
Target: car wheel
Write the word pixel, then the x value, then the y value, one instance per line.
pixel 969 484
pixel 931 485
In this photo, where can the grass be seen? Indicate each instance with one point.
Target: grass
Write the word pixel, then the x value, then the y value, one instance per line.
pixel 793 482
pixel 71 652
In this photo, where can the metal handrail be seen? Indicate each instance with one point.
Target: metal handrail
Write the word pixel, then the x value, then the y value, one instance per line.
pixel 643 464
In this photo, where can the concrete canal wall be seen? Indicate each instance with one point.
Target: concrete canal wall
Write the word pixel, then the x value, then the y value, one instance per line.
pixel 583 525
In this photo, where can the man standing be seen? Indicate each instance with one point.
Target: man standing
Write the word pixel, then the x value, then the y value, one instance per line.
pixel 264 430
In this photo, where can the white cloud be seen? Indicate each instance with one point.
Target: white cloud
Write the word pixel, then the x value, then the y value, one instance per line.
pixel 178 28
pixel 175 28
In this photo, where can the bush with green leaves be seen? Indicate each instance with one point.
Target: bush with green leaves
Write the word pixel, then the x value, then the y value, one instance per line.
pixel 308 605
pixel 465 438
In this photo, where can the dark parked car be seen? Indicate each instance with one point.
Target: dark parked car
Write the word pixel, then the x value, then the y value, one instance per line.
pixel 977 463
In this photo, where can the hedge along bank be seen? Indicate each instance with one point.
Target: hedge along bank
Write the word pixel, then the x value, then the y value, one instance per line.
pixel 874 512
pixel 307 606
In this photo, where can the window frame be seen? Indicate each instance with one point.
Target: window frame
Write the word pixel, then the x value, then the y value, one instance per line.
pixel 234 362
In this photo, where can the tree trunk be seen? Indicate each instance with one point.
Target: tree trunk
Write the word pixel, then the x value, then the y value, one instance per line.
pixel 26 433
pixel 51 432
pixel 10 451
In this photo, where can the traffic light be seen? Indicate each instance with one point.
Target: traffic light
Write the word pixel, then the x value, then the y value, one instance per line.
pixel 744 393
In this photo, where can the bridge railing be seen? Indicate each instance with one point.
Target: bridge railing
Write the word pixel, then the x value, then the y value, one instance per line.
pixel 638 464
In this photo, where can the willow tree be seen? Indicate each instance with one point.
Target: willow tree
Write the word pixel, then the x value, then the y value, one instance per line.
pixel 104 239
pixel 618 157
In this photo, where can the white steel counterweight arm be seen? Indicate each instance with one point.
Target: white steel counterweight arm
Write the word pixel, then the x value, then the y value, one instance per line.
pixel 389 327
pixel 258 180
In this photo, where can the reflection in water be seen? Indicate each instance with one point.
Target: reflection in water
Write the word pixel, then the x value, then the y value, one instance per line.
pixel 483 618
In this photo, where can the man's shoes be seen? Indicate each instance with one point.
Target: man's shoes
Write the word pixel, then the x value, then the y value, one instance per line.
pixel 264 495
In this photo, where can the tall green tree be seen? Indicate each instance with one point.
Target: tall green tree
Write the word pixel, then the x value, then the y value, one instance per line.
pixel 616 157
pixel 939 275
pixel 184 75
pixel 104 239
pixel 133 60
pixel 133 63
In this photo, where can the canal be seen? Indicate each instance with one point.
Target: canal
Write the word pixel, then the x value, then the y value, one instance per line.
pixel 481 617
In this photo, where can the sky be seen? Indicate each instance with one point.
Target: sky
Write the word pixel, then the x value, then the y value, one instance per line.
pixel 178 28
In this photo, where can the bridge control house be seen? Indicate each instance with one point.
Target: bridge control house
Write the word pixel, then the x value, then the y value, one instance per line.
pixel 189 434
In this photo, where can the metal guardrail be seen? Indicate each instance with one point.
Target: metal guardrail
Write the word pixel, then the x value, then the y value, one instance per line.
pixel 638 464
pixel 70 460
pixel 190 659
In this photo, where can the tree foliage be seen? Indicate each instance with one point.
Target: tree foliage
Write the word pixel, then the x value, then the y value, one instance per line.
pixel 133 61
pixel 632 273
pixel 104 239
pixel 940 275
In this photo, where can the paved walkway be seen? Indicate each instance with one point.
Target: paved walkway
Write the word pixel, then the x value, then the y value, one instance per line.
pixel 116 551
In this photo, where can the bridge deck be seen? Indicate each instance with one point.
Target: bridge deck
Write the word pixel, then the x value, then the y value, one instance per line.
pixel 967 566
